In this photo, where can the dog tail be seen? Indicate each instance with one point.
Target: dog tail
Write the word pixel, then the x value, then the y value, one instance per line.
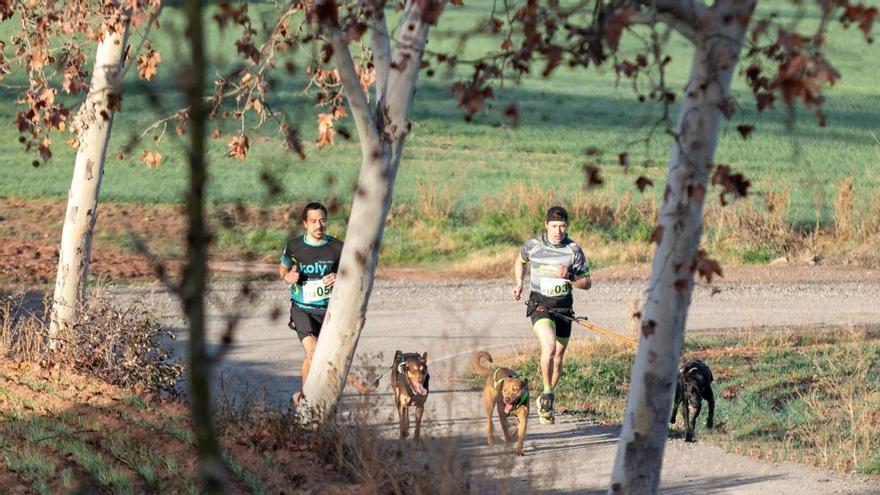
pixel 360 387
pixel 479 367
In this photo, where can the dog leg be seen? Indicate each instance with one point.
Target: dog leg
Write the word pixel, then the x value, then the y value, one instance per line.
pixel 692 424
pixel 419 411
pixel 675 403
pixel 522 419
pixel 710 398
pixel 505 425
pixel 689 429
pixel 490 407
pixel 403 411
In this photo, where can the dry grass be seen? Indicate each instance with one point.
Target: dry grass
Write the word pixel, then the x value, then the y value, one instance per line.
pixel 356 445
pixel 65 432
pixel 844 204
pixel 811 397
pixel 615 229
pixel 22 332
pixel 847 410
pixel 870 224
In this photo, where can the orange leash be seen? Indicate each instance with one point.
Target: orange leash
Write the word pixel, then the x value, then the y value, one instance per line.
pixel 608 333
pixel 360 387
pixel 593 328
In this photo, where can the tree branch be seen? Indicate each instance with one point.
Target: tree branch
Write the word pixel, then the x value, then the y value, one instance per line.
pixel 380 42
pixel 405 66
pixel 648 18
pixel 687 12
pixel 354 93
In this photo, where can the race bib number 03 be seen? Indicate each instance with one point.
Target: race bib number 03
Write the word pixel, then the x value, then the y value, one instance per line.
pixel 315 291
pixel 553 287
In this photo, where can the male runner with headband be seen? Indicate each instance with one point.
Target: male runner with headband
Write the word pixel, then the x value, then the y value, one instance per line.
pixel 558 264
pixel 309 265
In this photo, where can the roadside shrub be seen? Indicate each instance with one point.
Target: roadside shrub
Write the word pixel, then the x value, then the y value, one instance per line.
pixel 122 345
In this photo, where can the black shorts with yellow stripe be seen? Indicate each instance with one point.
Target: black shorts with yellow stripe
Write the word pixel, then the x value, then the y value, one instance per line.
pixel 538 310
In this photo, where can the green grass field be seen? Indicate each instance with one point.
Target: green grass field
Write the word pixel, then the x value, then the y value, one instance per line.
pixel 476 164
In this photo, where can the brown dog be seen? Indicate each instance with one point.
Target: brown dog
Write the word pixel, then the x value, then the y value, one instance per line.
pixel 409 380
pixel 507 392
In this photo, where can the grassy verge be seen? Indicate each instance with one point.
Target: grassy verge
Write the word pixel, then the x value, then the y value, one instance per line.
pixel 805 397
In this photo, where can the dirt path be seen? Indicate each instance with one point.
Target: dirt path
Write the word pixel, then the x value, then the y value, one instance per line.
pixel 451 319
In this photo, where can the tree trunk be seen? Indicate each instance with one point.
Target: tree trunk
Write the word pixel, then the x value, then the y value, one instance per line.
pixel 643 438
pixel 382 140
pixel 195 273
pixel 95 119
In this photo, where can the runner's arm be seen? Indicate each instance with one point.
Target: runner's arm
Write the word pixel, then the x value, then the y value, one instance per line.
pixel 519 271
pixel 582 282
pixel 580 270
pixel 287 265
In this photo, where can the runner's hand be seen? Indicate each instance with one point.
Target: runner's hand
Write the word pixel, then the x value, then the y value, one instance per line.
pixel 292 276
pixel 517 292
pixel 329 279
pixel 562 271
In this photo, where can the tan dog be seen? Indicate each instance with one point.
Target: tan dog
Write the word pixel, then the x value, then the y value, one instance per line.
pixel 409 380
pixel 507 392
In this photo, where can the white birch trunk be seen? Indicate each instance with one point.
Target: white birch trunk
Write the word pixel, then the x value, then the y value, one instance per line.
pixel 94 119
pixel 382 138
pixel 645 428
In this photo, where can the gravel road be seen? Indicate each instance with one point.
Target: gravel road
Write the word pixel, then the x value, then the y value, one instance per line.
pixel 452 319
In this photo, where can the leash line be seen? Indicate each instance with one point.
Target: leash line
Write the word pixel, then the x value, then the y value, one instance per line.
pixel 582 321
pixel 608 333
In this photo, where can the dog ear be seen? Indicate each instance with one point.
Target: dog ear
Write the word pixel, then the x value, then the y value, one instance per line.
pixel 425 356
pixel 400 367
pixel 693 370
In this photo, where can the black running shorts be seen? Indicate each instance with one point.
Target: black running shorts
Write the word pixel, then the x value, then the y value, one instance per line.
pixel 305 321
pixel 563 326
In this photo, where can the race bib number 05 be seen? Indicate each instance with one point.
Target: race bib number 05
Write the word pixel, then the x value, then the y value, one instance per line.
pixel 315 291
pixel 554 287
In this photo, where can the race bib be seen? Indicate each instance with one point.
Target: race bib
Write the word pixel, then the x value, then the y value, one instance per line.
pixel 315 291
pixel 555 287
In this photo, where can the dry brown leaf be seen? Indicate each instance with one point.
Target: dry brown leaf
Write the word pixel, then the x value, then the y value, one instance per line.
pixel 648 328
pixel 642 182
pixel 326 132
pixel 367 77
pixel 238 146
pixel 45 149
pixel 148 64
pixel 657 235
pixel 151 158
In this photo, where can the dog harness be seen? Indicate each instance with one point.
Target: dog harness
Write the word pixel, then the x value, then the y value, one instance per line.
pixel 523 398
pixel 400 363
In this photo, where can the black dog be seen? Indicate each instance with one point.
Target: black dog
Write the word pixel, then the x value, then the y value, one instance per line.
pixel 694 385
